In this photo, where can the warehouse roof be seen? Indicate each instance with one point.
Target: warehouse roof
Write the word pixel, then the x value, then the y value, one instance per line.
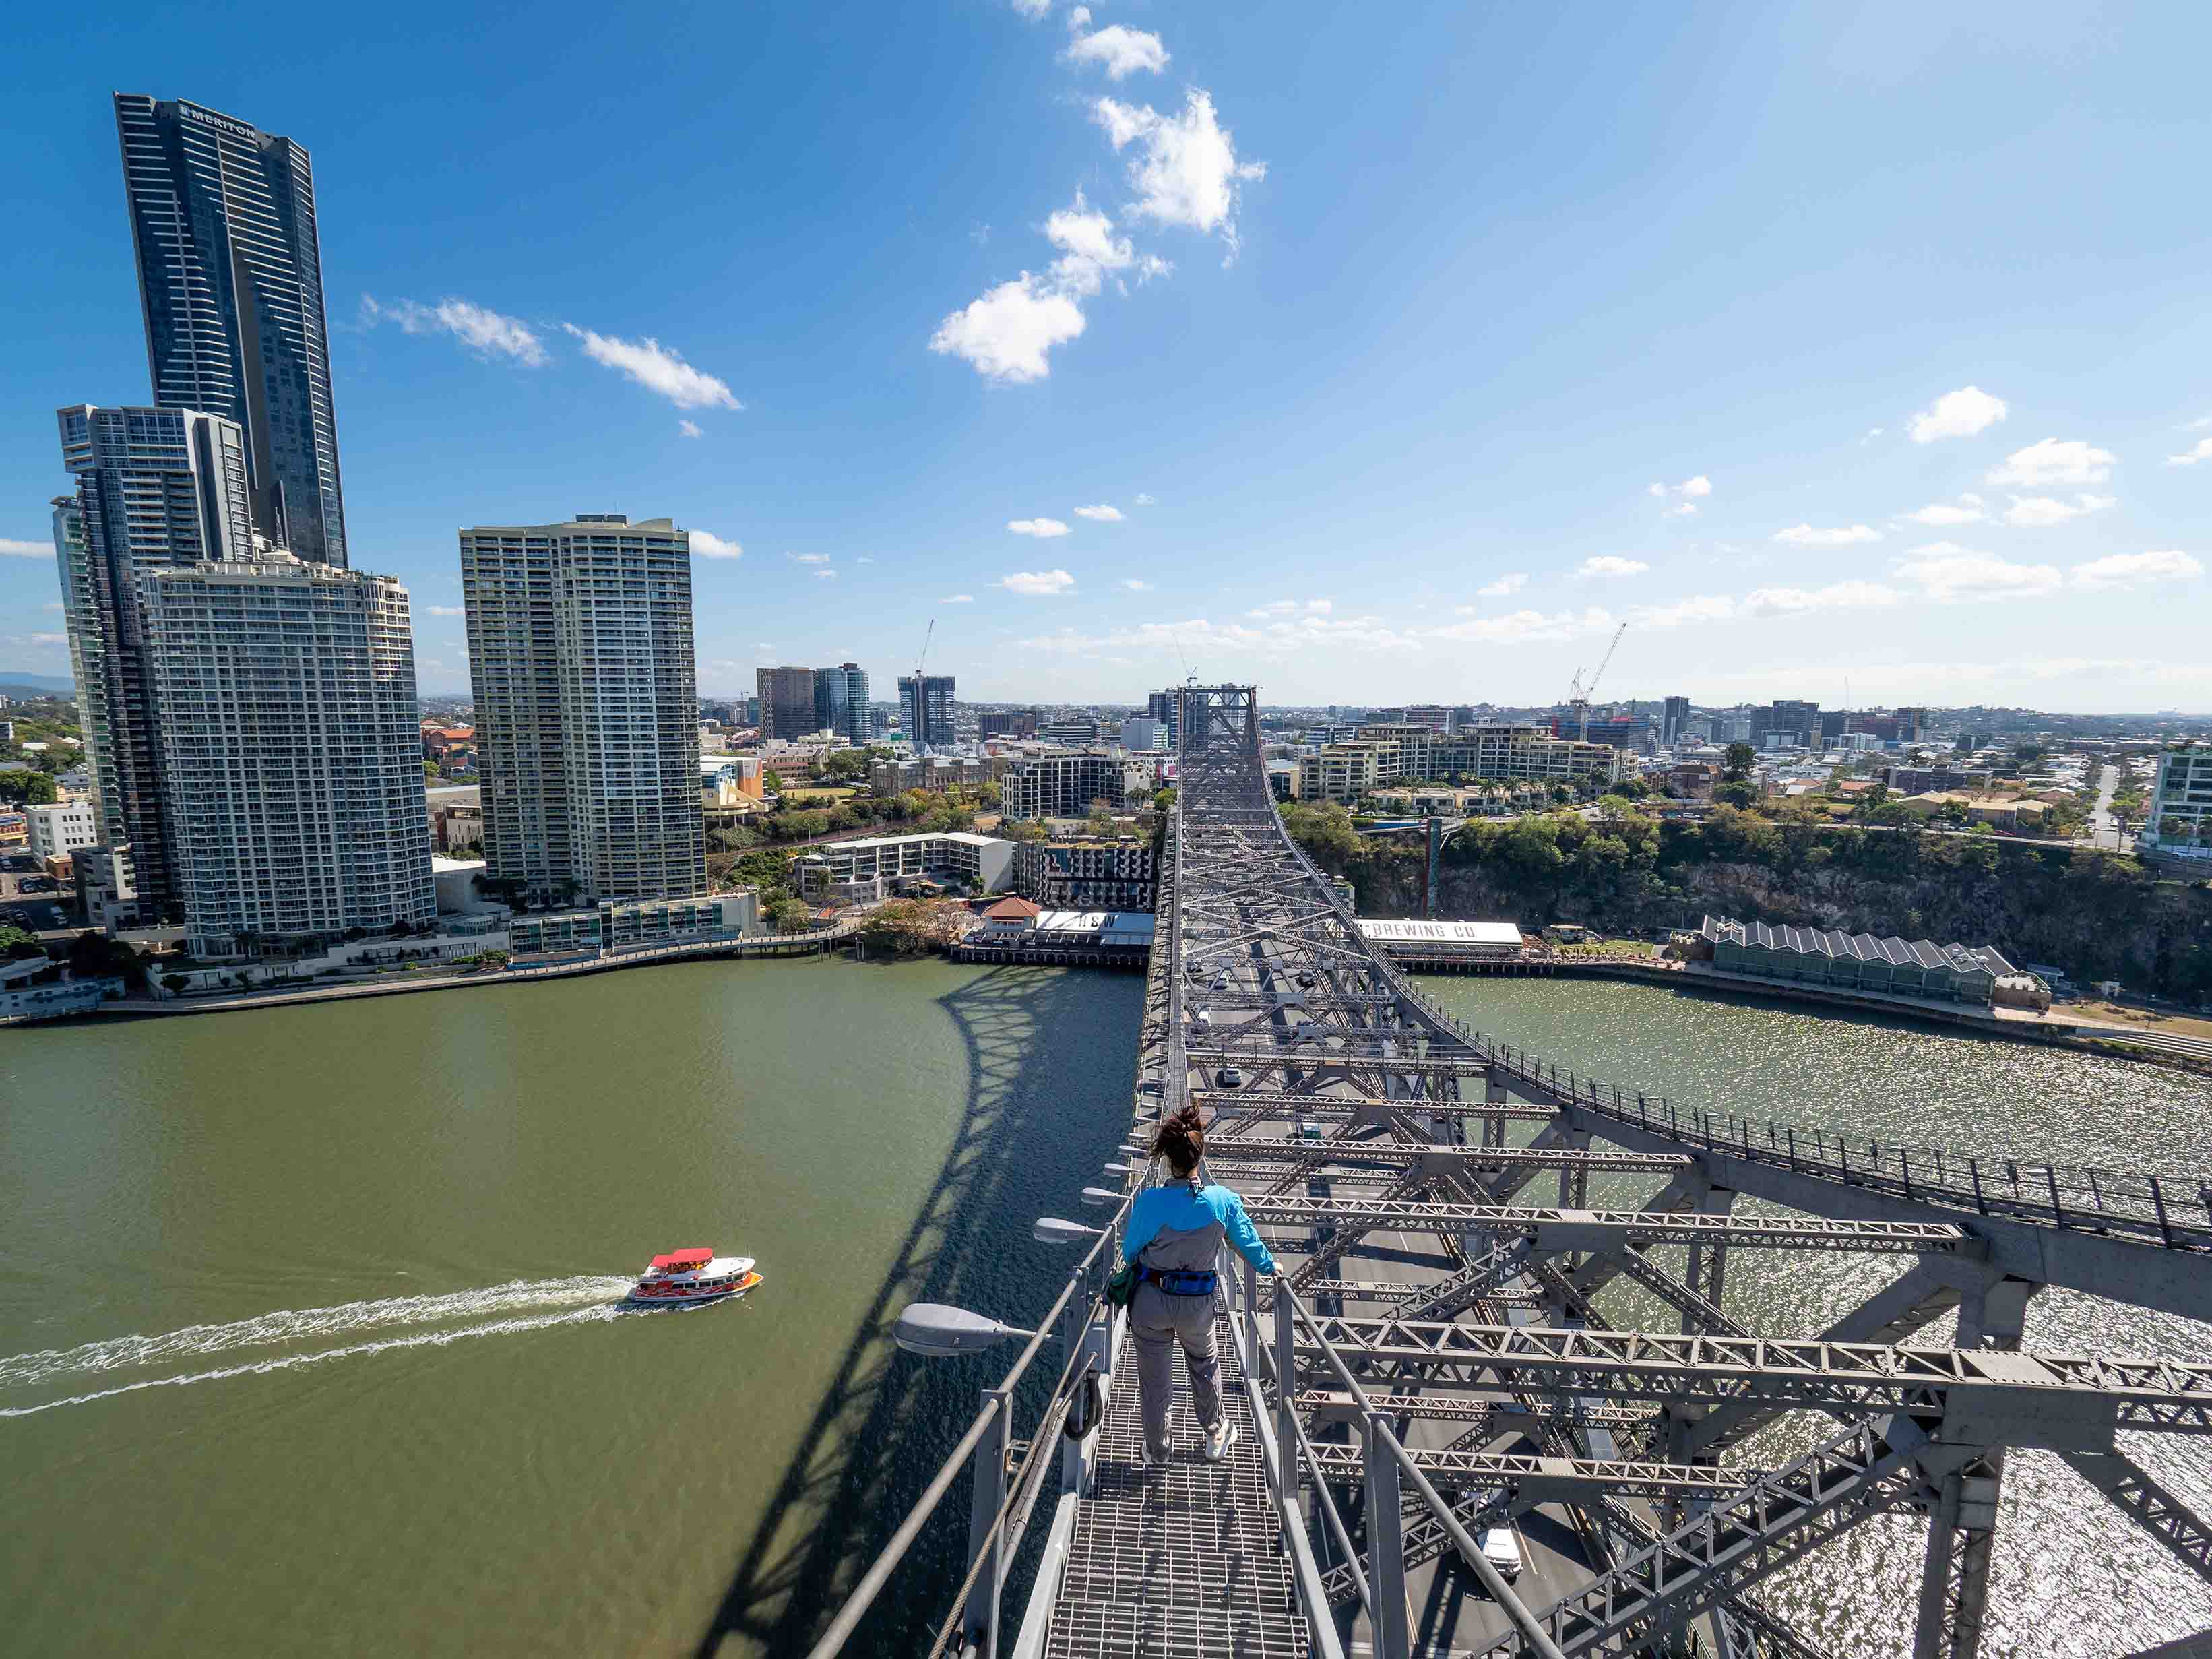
pixel 1863 947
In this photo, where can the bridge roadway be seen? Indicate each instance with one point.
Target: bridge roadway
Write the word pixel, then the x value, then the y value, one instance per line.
pixel 1346 1106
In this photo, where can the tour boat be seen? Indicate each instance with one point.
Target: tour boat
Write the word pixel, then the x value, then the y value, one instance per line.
pixel 685 1277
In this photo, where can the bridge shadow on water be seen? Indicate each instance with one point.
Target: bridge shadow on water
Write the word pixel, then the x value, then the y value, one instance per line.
pixel 1052 1060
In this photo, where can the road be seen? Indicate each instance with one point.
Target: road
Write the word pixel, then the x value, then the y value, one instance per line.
pixel 2101 822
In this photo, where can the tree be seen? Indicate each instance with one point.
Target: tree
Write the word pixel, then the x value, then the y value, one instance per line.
pixel 1736 792
pixel 787 915
pixel 1737 761
pixel 15 944
pixel 174 983
pixel 26 788
pixel 772 781
pixel 1164 801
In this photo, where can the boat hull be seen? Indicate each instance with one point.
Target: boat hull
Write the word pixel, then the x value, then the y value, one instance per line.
pixel 680 1296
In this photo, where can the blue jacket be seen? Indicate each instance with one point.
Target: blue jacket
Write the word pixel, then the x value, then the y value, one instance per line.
pixel 1175 1206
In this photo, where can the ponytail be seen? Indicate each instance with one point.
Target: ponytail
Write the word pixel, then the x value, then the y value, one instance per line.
pixel 1181 1142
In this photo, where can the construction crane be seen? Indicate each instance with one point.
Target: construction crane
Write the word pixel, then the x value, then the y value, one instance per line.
pixel 1580 700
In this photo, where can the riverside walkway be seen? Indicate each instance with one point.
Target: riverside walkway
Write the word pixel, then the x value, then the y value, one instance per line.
pixel 1443 1355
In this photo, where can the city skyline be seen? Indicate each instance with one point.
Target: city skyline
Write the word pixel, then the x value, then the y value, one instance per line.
pixel 1806 435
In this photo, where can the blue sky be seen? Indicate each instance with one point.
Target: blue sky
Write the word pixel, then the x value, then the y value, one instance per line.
pixel 1835 347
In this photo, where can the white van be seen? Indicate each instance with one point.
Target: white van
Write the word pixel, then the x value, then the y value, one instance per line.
pixel 1502 1550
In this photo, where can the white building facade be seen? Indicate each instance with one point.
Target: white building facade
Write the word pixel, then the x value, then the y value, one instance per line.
pixel 60 829
pixel 587 706
pixel 290 753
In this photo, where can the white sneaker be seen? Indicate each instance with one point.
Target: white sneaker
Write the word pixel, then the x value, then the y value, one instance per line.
pixel 1150 1462
pixel 1218 1440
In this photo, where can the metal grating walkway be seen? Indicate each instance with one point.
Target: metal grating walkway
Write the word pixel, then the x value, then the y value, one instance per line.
pixel 1182 1560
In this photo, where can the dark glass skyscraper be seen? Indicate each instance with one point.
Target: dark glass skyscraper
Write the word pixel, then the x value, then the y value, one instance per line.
pixel 230 273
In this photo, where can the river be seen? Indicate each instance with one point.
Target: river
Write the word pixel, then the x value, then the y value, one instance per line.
pixel 309 1345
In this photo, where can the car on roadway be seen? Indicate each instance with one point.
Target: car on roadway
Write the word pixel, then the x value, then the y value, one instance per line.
pixel 1502 1549
pixel 1229 1077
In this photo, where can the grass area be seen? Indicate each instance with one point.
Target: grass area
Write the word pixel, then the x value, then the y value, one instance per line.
pixel 1628 950
pixel 2150 1020
pixel 823 794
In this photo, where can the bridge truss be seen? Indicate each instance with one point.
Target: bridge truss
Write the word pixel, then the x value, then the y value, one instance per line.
pixel 1405 1402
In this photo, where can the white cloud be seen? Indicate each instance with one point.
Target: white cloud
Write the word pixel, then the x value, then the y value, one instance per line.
pixel 2054 462
pixel 10 548
pixel 484 330
pixel 657 368
pixel 1805 535
pixel 1005 334
pixel 1504 585
pixel 689 428
pixel 2129 570
pixel 1609 564
pixel 49 639
pixel 1136 584
pixel 808 558
pixel 1682 498
pixel 957 598
pixel 1037 584
pixel 1101 514
pixel 1143 500
pixel 865 558
pixel 445 609
pixel 2201 451
pixel 1032 9
pixel 1698 608
pixel 1120 50
pixel 1289 638
pixel 1293 608
pixel 1766 602
pixel 2041 512
pixel 1089 250
pixel 1960 414
pixel 825 575
pixel 1043 529
pixel 1945 572
pixel 1516 627
pixel 1871 432
pixel 706 544
pixel 1186 170
pixel 1966 510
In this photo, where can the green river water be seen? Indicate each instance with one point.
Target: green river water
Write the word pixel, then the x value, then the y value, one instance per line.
pixel 307 1339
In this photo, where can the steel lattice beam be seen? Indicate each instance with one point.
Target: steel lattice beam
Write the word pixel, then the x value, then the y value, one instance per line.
pixel 1571 1229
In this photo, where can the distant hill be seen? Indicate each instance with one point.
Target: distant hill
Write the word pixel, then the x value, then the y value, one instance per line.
pixel 13 684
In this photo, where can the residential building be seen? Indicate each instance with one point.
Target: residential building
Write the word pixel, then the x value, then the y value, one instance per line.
pixel 1674 724
pixel 787 702
pixel 1615 729
pixel 456 818
pixel 230 279
pixel 587 706
pixel 58 830
pixel 1166 707
pixel 1524 754
pixel 841 702
pixel 156 487
pixel 1073 731
pixel 926 710
pixel 1342 772
pixel 1087 874
pixel 864 870
pixel 1853 962
pixel 1064 786
pixel 1793 721
pixel 1143 733
pixel 610 926
pixel 2179 824
pixel 1007 723
pixel 107 888
pixel 1924 779
pixel 291 762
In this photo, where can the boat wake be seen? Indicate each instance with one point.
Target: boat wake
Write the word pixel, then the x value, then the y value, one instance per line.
pixel 291 1362
pixel 292 1326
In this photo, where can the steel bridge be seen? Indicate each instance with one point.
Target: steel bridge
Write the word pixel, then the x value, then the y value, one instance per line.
pixel 1389 1419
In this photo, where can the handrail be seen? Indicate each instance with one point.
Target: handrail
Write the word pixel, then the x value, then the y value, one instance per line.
pixel 863 1593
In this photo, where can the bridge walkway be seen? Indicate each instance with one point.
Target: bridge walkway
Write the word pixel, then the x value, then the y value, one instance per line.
pixel 1184 1560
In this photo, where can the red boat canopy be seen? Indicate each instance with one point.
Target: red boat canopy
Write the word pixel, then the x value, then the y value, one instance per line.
pixel 684 1259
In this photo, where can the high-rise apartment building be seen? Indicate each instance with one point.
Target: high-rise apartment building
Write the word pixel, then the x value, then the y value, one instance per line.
pixel 925 709
pixel 156 487
pixel 1674 724
pixel 841 702
pixel 1166 707
pixel 1066 786
pixel 2179 824
pixel 291 758
pixel 587 706
pixel 230 278
pixel 787 702
pixel 1007 723
pixel 1791 720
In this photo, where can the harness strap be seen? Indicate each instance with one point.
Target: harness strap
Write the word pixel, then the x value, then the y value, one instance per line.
pixel 1181 1281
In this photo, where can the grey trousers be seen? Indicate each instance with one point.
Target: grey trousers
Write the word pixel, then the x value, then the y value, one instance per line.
pixel 1159 1322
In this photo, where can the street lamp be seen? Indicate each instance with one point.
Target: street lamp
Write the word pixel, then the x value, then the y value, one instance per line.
pixel 936 1331
pixel 1097 1197
pixel 1051 1229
